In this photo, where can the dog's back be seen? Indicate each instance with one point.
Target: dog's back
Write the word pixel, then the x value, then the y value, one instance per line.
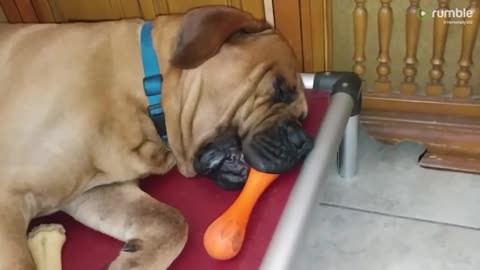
pixel 59 88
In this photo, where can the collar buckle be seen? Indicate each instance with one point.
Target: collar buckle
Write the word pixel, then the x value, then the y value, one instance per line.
pixel 153 84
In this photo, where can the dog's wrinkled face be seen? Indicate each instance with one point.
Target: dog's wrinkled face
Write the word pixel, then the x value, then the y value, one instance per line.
pixel 264 133
pixel 245 106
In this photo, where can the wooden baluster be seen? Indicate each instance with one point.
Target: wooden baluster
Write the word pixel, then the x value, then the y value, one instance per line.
pixel 463 87
pixel 408 86
pixel 360 17
pixel 385 23
pixel 440 30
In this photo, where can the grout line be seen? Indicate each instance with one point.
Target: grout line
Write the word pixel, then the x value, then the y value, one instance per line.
pixel 399 216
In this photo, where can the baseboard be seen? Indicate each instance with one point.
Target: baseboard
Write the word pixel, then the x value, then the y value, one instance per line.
pixel 450 161
pixel 451 142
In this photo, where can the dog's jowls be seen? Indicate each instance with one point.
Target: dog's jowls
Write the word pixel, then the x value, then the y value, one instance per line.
pixel 76 137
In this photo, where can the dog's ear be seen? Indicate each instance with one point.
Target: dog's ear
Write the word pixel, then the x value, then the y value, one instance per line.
pixel 204 30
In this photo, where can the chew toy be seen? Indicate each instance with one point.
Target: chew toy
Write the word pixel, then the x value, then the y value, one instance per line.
pixel 224 237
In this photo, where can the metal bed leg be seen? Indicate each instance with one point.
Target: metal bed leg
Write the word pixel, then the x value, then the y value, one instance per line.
pixel 347 158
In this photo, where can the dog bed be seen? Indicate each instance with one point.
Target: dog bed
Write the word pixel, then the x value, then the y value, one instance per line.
pixel 201 202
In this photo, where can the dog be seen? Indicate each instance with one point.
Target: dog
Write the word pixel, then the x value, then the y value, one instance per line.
pixel 78 134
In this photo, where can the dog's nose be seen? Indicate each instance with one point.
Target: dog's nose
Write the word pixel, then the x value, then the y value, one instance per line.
pixel 295 135
pixel 223 162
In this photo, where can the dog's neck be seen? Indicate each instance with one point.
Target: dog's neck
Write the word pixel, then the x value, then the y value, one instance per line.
pixel 164 36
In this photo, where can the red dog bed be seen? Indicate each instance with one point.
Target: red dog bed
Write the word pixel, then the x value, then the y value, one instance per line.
pixel 201 202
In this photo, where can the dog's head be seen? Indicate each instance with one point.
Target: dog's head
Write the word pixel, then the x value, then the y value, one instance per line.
pixel 237 100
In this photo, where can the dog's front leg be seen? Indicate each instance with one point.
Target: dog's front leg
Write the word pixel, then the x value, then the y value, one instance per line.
pixel 154 232
pixel 14 252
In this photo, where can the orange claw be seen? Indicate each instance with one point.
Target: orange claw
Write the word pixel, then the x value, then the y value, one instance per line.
pixel 224 237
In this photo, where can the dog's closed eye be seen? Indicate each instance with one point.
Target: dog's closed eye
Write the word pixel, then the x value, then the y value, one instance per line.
pixel 282 92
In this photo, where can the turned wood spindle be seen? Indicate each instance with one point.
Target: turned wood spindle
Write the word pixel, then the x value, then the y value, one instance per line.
pixel 360 17
pixel 408 86
pixel 440 30
pixel 470 29
pixel 385 23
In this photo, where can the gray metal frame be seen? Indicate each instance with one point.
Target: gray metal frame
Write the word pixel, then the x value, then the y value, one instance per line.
pixel 328 144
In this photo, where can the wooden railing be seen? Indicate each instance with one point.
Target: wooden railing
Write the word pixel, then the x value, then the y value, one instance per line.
pixel 463 88
pixel 445 119
pixel 408 86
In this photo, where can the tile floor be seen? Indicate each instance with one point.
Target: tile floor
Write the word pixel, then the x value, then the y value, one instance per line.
pixel 394 215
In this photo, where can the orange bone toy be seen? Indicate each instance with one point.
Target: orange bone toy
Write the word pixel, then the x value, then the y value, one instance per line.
pixel 224 237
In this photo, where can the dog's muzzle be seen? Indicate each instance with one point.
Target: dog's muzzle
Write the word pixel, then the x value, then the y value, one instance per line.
pixel 277 149
pixel 227 160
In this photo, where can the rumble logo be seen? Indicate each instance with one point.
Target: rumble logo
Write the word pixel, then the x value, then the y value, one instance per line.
pixel 421 13
pixel 453 16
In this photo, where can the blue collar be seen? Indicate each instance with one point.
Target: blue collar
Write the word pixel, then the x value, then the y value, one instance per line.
pixel 152 81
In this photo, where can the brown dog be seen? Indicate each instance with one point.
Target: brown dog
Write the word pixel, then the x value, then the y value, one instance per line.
pixel 76 135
